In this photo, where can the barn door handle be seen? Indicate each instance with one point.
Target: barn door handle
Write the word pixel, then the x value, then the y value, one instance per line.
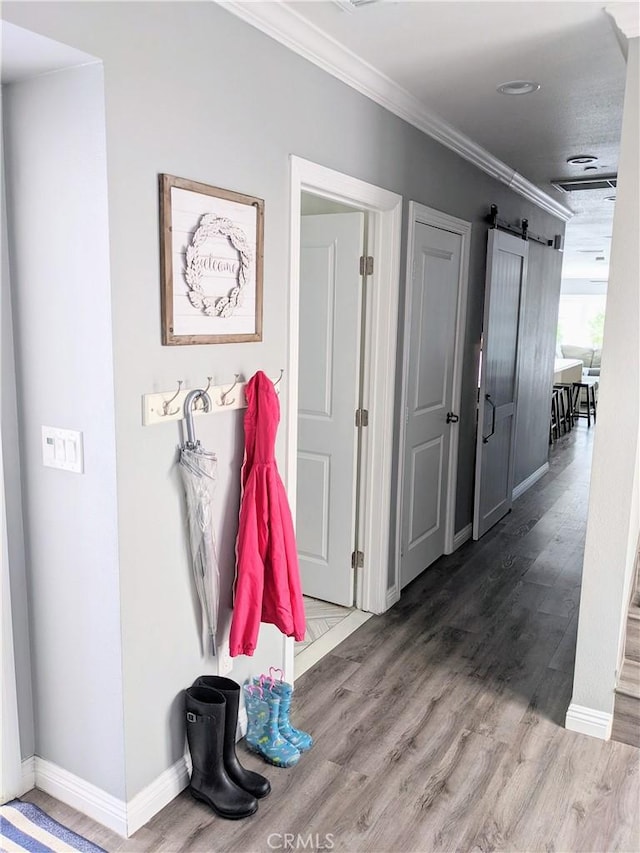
pixel 452 418
pixel 487 397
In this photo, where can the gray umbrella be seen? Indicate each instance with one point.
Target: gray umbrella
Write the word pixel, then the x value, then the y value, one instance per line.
pixel 198 469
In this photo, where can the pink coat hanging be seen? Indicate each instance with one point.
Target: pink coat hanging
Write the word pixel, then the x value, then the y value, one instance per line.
pixel 267 586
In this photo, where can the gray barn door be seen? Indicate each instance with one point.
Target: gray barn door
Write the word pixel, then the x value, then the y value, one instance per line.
pixel 434 298
pixel 505 280
pixel 330 305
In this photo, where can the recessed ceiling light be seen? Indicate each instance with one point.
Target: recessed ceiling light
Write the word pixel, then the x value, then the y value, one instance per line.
pixel 582 159
pixel 518 87
pixel 609 198
pixel 590 169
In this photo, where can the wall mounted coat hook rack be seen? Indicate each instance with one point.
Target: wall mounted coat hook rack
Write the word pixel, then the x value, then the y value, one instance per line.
pixel 166 411
pixel 166 406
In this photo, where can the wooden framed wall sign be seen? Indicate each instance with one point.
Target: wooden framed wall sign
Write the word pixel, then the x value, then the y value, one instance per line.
pixel 211 244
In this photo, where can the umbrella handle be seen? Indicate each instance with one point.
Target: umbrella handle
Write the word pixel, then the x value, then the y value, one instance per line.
pixel 189 401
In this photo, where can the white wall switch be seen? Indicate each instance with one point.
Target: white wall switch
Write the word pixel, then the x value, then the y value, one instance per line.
pixel 62 448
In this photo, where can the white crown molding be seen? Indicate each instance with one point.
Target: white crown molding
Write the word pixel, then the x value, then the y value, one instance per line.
pixel 284 25
pixel 525 188
pixel 588 721
pixel 627 18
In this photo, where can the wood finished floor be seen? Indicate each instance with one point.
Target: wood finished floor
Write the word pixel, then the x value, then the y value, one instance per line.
pixel 438 725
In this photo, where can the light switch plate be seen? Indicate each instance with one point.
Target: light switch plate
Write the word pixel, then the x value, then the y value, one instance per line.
pixel 62 448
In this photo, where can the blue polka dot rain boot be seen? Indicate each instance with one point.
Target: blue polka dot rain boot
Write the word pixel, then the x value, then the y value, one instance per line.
pixel 263 735
pixel 301 740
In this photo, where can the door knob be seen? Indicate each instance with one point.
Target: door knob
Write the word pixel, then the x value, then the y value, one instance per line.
pixel 451 418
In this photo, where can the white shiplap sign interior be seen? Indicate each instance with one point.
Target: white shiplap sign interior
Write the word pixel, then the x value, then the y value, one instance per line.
pixel 220 267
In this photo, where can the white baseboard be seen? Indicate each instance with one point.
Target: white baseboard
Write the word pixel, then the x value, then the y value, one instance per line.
pixel 149 801
pixel 393 596
pixel 123 818
pixel 28 775
pixel 81 795
pixel 462 536
pixel 588 721
pixel 522 487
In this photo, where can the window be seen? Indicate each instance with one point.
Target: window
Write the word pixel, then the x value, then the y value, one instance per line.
pixel 581 319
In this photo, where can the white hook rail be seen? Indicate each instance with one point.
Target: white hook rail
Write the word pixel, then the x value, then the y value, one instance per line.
pixel 165 406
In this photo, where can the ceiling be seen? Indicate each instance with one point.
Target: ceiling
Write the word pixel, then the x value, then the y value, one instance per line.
pixel 451 56
pixel 447 58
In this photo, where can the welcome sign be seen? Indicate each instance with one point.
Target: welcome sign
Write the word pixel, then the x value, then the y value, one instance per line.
pixel 212 263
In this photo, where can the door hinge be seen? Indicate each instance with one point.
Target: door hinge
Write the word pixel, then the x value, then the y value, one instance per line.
pixel 357 560
pixel 366 265
pixel 362 417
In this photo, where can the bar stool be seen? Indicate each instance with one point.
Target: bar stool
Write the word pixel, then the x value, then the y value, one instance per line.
pixel 567 412
pixel 562 411
pixel 589 386
pixel 554 425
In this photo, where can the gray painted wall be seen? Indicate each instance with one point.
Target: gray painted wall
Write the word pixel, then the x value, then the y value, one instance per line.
pixel 193 91
pixel 13 494
pixel 58 233
pixel 537 352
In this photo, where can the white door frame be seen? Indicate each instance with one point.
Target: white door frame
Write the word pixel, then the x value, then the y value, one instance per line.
pixel 385 221
pixel 419 214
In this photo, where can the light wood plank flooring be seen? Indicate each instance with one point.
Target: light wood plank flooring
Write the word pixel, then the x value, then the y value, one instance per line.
pixel 438 725
pixel 626 717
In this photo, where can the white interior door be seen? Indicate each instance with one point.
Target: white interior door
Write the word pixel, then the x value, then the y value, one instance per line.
pixel 437 257
pixel 330 306
pixel 506 277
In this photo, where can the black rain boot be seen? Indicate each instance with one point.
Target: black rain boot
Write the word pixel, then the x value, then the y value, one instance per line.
pixel 206 734
pixel 252 782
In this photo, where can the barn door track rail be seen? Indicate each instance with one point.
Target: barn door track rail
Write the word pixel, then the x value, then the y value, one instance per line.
pixel 521 230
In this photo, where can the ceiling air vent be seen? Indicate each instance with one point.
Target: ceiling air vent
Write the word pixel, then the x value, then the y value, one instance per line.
pixel 571 185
